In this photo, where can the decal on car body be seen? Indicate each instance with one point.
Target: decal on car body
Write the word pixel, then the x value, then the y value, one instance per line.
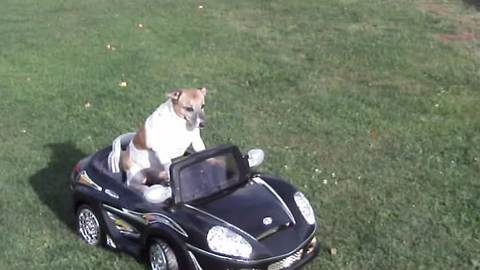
pixel 85 180
pixel 149 218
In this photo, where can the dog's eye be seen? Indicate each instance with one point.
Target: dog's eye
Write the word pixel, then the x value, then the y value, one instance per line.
pixel 189 109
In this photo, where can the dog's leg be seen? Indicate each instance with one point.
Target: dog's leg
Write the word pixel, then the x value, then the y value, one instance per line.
pixel 156 176
pixel 164 160
pixel 136 177
pixel 197 142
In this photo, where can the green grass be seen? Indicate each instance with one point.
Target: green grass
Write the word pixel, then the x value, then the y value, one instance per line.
pixel 360 95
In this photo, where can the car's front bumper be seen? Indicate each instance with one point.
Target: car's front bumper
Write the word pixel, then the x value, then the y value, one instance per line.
pixel 294 260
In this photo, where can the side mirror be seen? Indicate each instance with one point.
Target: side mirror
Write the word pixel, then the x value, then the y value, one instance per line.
pixel 255 157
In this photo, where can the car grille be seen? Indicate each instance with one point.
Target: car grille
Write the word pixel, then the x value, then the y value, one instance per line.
pixel 287 262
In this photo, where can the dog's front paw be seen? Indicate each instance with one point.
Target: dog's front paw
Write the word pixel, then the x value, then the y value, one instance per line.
pixel 216 161
pixel 163 175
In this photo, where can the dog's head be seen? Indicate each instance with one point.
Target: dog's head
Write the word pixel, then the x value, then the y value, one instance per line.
pixel 189 104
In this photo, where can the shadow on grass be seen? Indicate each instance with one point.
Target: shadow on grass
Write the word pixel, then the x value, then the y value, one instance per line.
pixel 52 183
pixel 474 3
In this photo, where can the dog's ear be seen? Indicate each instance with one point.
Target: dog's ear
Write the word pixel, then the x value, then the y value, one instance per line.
pixel 174 95
pixel 203 90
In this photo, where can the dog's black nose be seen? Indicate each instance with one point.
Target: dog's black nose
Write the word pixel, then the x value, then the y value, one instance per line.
pixel 201 124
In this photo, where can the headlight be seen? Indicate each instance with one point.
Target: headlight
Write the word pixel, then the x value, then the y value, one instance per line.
pixel 304 207
pixel 225 241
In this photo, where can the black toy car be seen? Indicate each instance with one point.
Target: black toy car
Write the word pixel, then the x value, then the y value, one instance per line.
pixel 220 214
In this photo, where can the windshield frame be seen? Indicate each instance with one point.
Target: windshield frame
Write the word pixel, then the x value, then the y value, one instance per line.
pixel 177 167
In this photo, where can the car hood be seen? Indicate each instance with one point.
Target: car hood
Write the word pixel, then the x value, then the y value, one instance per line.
pixel 263 211
pixel 254 209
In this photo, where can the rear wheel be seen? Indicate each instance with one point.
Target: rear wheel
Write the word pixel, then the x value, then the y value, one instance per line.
pixel 161 256
pixel 88 226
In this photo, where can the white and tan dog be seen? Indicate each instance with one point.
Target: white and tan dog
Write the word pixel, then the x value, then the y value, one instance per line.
pixel 165 135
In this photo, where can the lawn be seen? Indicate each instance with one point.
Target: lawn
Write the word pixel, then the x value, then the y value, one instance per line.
pixel 371 107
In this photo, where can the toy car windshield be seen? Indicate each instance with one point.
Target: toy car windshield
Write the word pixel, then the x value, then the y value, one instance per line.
pixel 207 173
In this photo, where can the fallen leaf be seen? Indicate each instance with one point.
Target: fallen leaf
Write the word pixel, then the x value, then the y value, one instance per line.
pixel 373 135
pixel 110 47
pixel 465 36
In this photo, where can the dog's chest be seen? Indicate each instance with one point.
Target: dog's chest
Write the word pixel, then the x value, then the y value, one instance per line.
pixel 169 133
pixel 179 140
pixel 182 137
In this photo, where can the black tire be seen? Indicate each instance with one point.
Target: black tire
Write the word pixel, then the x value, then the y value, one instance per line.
pixel 157 248
pixel 88 226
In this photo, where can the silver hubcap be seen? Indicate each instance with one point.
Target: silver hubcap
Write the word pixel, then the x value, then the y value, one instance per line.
pixel 88 227
pixel 157 258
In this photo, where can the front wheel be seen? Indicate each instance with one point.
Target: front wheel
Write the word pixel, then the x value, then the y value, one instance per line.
pixel 88 226
pixel 161 256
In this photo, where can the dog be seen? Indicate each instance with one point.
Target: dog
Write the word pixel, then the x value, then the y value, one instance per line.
pixel 166 134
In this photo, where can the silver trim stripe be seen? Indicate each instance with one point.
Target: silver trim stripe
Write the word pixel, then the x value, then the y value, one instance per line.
pixel 160 218
pixel 125 212
pixel 111 193
pixel 239 260
pixel 260 181
pixel 144 218
pixel 227 224
pixel 286 262
pixel 195 262
pixel 110 242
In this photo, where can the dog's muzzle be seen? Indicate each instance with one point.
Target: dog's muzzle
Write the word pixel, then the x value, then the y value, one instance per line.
pixel 197 121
